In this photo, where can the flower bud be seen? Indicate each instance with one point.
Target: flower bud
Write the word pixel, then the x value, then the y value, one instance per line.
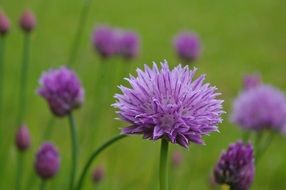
pixel 4 24
pixel 27 21
pixel 23 138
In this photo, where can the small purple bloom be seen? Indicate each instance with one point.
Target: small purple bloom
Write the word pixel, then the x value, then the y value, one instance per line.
pixel 62 90
pixel 128 45
pixel 236 167
pixel 262 107
pixel 104 41
pixel 169 104
pixel 27 21
pixel 98 174
pixel 177 159
pixel 4 24
pixel 187 46
pixel 23 139
pixel 47 161
pixel 251 81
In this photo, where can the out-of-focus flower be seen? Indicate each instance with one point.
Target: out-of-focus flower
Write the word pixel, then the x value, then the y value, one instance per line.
pixel 98 174
pixel 251 81
pixel 261 107
pixel 236 167
pixel 62 90
pixel 177 159
pixel 23 139
pixel 47 161
pixel 187 46
pixel 4 24
pixel 169 104
pixel 27 21
pixel 128 44
pixel 104 40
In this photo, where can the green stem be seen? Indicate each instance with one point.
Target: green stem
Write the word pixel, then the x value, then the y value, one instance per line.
pixel 74 150
pixel 23 79
pixel 49 129
pixel 80 27
pixel 94 155
pixel 2 50
pixel 163 173
pixel 263 148
pixel 20 163
pixel 42 185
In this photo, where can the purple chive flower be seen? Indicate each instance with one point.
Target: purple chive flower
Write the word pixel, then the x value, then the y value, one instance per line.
pixel 262 107
pixel 169 104
pixel 104 41
pixel 251 81
pixel 23 139
pixel 27 21
pixel 98 174
pixel 4 24
pixel 128 45
pixel 177 159
pixel 187 46
pixel 236 167
pixel 47 161
pixel 62 90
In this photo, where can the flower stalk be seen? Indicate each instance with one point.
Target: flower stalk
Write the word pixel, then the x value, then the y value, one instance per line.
pixel 74 150
pixel 163 173
pixel 94 155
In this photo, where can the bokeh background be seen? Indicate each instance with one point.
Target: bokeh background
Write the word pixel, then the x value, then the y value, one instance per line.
pixel 238 37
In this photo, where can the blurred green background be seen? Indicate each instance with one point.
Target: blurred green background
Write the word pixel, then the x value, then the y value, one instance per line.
pixel 238 37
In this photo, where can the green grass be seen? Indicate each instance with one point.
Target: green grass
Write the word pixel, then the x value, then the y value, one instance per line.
pixel 238 37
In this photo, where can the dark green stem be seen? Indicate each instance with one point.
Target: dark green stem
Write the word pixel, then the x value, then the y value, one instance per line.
pixel 94 155
pixel 163 172
pixel 42 185
pixel 20 163
pixel 80 27
pixel 74 150
pixel 23 79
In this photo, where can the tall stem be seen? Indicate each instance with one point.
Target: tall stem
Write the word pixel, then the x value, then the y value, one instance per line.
pixel 263 148
pixel 20 163
pixel 94 155
pixel 23 79
pixel 2 50
pixel 80 27
pixel 74 150
pixel 163 173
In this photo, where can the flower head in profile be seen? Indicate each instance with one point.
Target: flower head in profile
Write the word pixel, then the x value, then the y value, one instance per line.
pixel 47 161
pixel 27 21
pixel 169 104
pixel 104 40
pixel 236 167
pixel 4 24
pixel 128 44
pixel 62 90
pixel 187 46
pixel 23 140
pixel 261 107
pixel 251 81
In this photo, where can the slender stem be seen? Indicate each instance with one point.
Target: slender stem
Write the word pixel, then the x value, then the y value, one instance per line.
pixel 163 173
pixel 42 185
pixel 263 148
pixel 94 155
pixel 74 150
pixel 257 142
pixel 2 50
pixel 20 163
pixel 245 136
pixel 23 79
pixel 80 27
